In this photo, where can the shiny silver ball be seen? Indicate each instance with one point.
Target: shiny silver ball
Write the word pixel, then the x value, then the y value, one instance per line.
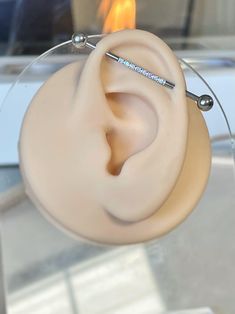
pixel 205 102
pixel 79 40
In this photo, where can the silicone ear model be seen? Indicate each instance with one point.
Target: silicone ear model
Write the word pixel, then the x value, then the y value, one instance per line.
pixel 110 155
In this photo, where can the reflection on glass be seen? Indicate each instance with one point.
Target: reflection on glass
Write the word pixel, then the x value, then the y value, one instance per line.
pixel 119 281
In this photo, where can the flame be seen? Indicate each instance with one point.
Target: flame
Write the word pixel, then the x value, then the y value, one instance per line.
pixel 117 14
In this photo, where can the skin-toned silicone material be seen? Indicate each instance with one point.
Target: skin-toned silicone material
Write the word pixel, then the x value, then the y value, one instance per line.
pixel 110 155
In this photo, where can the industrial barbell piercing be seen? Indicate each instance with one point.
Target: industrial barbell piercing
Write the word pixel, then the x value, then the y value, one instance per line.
pixel 204 102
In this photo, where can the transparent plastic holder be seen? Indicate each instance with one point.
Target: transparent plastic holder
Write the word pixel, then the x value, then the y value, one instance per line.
pixel 188 271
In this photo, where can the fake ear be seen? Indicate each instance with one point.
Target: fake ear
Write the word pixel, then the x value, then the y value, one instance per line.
pixel 137 128
pixel 110 155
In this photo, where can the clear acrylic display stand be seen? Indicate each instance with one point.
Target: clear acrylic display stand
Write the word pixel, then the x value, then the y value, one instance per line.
pixel 188 271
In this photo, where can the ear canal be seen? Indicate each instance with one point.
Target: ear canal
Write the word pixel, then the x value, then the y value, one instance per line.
pixel 134 129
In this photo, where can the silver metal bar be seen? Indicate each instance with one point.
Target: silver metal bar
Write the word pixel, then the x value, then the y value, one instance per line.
pixel 204 102
pixel 191 95
pixel 132 66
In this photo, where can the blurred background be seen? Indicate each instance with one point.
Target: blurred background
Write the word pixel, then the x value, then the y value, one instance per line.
pixel 32 26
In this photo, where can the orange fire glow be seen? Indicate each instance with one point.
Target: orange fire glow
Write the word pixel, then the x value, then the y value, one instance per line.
pixel 117 14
